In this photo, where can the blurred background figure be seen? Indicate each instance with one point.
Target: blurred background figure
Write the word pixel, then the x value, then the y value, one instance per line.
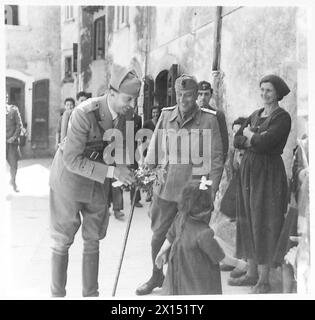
pixel 68 105
pixel 203 101
pixel 82 96
pixel 13 129
pixel 151 124
pixel 137 123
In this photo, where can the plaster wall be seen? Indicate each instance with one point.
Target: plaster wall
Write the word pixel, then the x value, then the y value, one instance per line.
pixel 34 51
pixel 256 42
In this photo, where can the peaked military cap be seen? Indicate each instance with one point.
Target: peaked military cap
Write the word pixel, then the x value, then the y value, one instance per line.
pixel 125 80
pixel 204 85
pixel 185 82
pixel 279 84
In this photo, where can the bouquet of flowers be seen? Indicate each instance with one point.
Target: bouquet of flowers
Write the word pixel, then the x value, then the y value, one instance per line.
pixel 146 178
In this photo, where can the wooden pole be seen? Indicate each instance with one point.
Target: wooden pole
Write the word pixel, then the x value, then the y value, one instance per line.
pixel 216 73
pixel 125 241
pixel 217 39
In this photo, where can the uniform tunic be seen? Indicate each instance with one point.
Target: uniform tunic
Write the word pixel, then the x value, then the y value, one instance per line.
pixel 262 192
pixel 77 182
pixel 179 173
pixel 193 265
pixel 223 130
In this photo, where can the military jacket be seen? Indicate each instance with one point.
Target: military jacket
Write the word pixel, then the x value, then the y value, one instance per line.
pixel 179 173
pixel 74 173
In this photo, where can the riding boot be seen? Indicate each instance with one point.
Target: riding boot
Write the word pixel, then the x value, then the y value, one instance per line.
pixel 59 265
pixel 157 278
pixel 90 274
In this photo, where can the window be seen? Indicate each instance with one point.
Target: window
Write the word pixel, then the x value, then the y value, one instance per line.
pixel 68 68
pixel 69 13
pixel 75 57
pixel 99 38
pixel 122 16
pixel 11 15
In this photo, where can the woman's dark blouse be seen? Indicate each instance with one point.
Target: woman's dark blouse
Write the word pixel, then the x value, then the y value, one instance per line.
pixel 270 136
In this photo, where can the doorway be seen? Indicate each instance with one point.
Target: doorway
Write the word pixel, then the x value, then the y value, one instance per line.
pixel 160 94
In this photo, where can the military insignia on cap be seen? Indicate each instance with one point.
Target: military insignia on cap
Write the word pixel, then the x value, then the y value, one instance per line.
pixel 204 87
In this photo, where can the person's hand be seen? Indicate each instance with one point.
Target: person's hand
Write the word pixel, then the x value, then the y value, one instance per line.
pixel 160 259
pixel 290 258
pixel 11 140
pixel 241 264
pixel 248 133
pixel 303 174
pixel 123 174
pixel 146 165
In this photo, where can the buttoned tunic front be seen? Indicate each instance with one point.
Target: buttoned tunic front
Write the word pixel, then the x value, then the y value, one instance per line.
pixel 177 174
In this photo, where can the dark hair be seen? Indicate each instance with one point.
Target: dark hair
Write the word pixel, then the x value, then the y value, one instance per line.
pixel 239 120
pixel 82 94
pixel 155 107
pixel 194 200
pixel 278 83
pixel 71 100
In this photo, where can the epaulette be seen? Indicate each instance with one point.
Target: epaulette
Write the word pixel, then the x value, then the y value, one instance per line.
pixel 90 104
pixel 168 108
pixel 209 111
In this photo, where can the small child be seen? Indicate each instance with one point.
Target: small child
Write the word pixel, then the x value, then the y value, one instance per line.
pixel 194 256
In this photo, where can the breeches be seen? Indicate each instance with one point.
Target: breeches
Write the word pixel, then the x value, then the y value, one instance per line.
pixel 66 216
pixel 162 213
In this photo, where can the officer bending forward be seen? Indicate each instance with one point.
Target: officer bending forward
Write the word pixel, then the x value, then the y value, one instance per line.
pixel 79 180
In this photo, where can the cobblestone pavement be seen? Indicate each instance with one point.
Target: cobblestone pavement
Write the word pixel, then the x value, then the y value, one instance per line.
pixel 28 262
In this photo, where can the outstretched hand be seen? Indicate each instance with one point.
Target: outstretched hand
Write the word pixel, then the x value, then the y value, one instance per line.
pixel 160 259
pixel 247 132
pixel 124 175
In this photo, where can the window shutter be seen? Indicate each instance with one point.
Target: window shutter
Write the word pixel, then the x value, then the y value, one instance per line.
pixel 75 57
pixel 40 111
pixel 99 38
pixel 172 76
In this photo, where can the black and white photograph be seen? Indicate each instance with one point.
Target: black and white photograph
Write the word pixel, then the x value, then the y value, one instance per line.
pixel 157 149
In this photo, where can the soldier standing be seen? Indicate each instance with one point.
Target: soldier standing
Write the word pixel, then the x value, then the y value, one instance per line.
pixel 203 101
pixel 185 115
pixel 79 180
pixel 13 129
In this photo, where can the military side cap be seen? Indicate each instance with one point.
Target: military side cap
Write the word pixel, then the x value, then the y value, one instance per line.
pixel 125 80
pixel 204 85
pixel 185 82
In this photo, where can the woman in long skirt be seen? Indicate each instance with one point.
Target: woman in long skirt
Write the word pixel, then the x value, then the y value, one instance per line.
pixel 263 190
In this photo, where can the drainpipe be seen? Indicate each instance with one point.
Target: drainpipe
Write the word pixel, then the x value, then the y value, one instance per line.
pixel 79 84
pixel 147 41
pixel 216 72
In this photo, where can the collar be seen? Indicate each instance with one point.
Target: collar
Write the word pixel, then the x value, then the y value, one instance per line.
pixel 195 114
pixel 112 112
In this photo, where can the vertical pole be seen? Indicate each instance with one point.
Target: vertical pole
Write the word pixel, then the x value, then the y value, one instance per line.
pixel 216 73
pixel 79 84
pixel 217 40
